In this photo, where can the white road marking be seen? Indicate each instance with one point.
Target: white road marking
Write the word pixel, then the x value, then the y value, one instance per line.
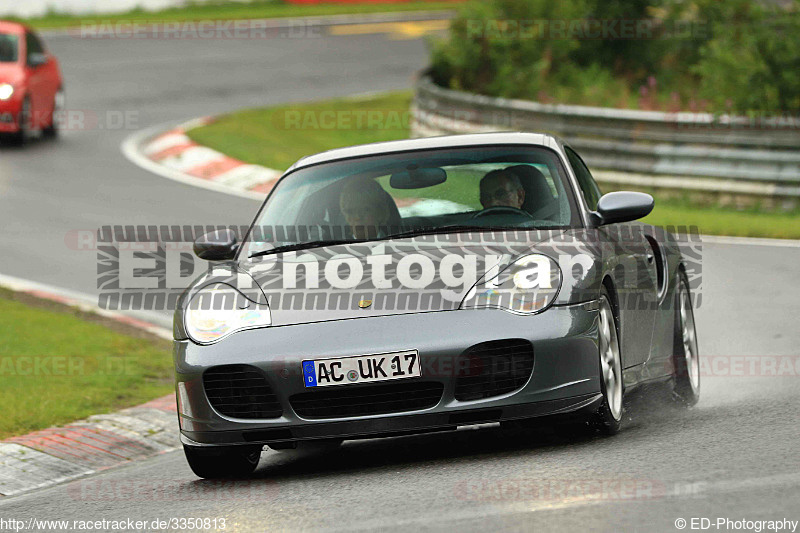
pixel 749 241
pixel 165 141
pixel 131 149
pixel 192 157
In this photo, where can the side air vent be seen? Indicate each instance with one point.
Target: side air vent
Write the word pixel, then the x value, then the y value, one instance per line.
pixel 660 265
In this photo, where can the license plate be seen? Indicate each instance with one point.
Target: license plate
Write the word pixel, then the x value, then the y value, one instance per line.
pixel 361 369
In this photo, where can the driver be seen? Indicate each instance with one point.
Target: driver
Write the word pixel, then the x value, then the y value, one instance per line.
pixel 364 205
pixel 501 188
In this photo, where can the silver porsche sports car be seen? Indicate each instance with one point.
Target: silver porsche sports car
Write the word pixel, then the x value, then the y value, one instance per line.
pixel 423 285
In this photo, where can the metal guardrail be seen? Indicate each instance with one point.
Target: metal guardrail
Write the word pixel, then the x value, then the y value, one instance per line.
pixel 685 150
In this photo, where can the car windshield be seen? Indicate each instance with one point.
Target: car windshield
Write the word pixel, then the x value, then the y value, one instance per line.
pixel 8 48
pixel 409 193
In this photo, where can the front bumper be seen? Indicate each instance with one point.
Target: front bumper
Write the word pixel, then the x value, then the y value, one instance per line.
pixel 565 375
pixel 9 115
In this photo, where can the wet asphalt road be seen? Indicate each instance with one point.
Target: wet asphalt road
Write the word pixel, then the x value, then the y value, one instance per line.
pixel 735 455
pixel 49 190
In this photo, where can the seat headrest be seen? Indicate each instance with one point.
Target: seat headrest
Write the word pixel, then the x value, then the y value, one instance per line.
pixel 391 206
pixel 537 191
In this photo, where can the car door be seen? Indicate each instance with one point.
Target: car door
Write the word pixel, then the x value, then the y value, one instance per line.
pixel 626 258
pixel 38 90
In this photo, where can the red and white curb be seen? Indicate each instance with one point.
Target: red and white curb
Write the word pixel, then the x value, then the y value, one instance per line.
pixel 55 455
pixel 169 152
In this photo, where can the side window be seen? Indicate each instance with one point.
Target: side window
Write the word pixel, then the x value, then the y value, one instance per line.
pixel 33 44
pixel 591 192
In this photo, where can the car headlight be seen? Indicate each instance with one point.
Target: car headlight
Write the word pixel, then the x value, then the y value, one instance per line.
pixel 219 310
pixel 6 91
pixel 527 286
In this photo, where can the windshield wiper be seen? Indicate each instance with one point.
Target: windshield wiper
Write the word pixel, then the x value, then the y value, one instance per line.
pixel 300 246
pixel 455 228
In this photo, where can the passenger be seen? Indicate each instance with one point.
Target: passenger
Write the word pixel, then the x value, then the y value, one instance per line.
pixel 501 188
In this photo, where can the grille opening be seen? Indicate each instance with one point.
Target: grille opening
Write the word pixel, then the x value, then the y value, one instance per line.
pixel 361 400
pixel 494 368
pixel 240 391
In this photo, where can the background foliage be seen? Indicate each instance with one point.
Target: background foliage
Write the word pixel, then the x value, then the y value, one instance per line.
pixel 740 56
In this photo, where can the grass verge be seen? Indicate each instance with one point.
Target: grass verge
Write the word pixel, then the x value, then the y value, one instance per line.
pixel 258 9
pixel 58 365
pixel 277 136
pixel 726 221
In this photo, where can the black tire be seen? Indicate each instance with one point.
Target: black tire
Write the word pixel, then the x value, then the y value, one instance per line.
pixel 686 390
pixel 604 418
pixel 51 131
pixel 223 462
pixel 20 137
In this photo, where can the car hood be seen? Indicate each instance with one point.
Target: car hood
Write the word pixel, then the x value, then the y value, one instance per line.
pixel 422 274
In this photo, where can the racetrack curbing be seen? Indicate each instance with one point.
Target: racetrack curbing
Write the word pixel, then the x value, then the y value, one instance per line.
pixel 55 455
pixel 174 155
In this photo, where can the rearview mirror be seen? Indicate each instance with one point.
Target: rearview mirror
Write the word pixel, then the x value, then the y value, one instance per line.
pixel 36 59
pixel 418 178
pixel 622 206
pixel 220 245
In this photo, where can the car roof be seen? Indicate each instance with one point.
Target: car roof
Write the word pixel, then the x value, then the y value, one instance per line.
pixel 12 27
pixel 444 141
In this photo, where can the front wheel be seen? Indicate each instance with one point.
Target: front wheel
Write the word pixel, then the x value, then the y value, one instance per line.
pixel 222 462
pixel 59 100
pixel 608 417
pixel 23 124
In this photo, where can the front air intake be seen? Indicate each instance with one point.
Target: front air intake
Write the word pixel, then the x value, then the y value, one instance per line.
pixel 240 391
pixel 493 368
pixel 363 400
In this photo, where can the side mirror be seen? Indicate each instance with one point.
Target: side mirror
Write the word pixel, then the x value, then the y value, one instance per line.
pixel 36 60
pixel 220 245
pixel 622 206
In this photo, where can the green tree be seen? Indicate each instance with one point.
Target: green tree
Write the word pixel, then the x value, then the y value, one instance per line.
pixel 752 62
pixel 737 55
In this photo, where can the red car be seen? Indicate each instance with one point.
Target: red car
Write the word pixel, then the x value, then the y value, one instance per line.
pixel 31 89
